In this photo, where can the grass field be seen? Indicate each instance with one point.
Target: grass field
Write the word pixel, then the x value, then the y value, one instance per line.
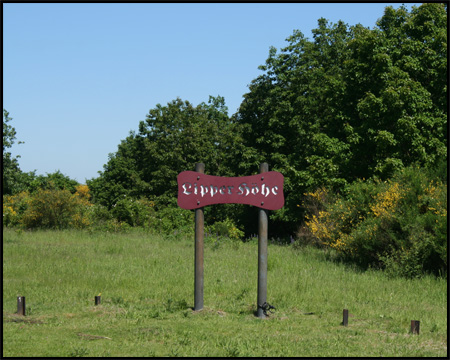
pixel 146 284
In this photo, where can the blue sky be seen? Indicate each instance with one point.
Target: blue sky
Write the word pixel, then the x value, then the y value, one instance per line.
pixel 78 77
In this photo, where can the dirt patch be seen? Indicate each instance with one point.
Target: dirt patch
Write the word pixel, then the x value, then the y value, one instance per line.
pixel 21 319
pixel 93 337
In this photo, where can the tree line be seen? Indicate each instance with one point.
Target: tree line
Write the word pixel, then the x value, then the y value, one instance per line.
pixel 351 104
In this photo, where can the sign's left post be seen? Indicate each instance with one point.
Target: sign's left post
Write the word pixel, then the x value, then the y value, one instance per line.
pixel 199 245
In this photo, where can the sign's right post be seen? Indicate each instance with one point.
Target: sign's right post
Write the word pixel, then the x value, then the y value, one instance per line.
pixel 262 253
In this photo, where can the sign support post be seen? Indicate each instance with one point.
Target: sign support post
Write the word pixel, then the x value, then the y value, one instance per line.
pixel 262 253
pixel 199 245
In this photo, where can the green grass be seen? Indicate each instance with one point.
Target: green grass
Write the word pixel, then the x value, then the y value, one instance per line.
pixel 147 284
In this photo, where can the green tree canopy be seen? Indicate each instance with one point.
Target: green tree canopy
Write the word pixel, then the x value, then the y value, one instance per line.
pixel 171 139
pixel 351 103
pixel 52 181
pixel 11 172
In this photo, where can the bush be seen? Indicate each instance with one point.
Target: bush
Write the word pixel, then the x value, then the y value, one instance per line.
pixel 82 208
pixel 55 181
pixel 48 208
pixel 115 226
pixel 99 215
pixel 226 229
pixel 399 225
pixel 134 212
pixel 14 206
pixel 172 219
pixel 51 209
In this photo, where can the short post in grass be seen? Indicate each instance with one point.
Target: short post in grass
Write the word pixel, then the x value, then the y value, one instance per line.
pixel 199 244
pixel 98 300
pixel 21 305
pixel 415 326
pixel 262 253
pixel 345 317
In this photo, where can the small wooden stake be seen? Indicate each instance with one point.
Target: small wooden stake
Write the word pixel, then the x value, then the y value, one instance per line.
pixel 98 300
pixel 21 305
pixel 345 319
pixel 415 326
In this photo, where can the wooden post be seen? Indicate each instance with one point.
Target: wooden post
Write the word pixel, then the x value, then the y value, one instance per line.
pixel 199 244
pixel 98 300
pixel 21 305
pixel 415 326
pixel 262 253
pixel 345 317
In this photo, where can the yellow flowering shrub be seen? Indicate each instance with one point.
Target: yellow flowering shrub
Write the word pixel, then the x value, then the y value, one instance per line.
pixel 82 192
pixel 319 226
pixel 386 201
pixel 399 224
pixel 82 216
pixel 315 229
pixel 14 206
pixel 329 221
pixel 434 198
pixel 8 214
pixel 54 208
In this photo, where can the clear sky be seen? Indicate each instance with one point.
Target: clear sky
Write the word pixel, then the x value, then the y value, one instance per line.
pixel 78 77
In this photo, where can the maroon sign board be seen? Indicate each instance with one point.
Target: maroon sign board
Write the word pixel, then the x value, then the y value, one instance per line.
pixel 196 190
pixel 264 190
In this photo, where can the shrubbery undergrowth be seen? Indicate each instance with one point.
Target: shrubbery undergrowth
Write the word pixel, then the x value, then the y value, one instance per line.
pixel 399 224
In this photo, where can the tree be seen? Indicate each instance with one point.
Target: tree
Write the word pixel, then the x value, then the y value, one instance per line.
pixel 10 165
pixel 171 139
pixel 15 180
pixel 395 78
pixel 351 103
pixel 53 181
pixel 289 115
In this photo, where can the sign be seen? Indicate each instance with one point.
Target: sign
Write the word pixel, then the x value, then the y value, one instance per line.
pixel 196 190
